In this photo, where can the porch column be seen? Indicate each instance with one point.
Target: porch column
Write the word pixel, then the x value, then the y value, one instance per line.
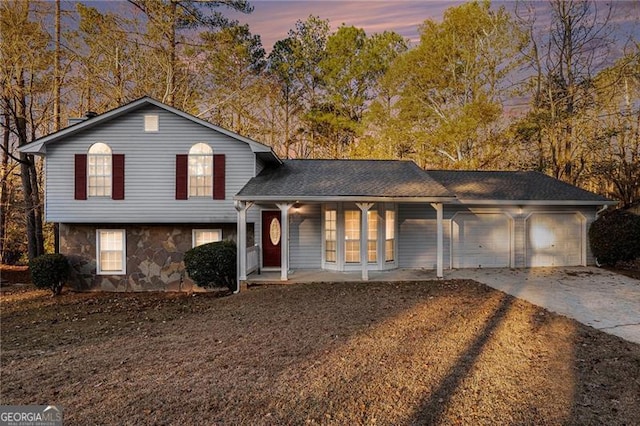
pixel 284 240
pixel 241 209
pixel 439 243
pixel 364 238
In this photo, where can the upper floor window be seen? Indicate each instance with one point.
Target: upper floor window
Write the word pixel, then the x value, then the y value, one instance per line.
pixel 99 170
pixel 200 170
pixel 151 123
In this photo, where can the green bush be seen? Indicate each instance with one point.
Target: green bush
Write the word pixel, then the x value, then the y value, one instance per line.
pixel 50 271
pixel 212 264
pixel 615 236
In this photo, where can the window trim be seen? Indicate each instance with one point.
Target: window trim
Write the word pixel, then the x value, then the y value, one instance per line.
pixel 99 270
pixel 195 230
pixel 154 120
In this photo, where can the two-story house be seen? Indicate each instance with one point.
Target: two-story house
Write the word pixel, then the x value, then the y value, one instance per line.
pixel 136 187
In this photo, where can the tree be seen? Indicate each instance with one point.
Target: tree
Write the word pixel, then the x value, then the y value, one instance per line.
pixel 233 63
pixel 351 68
pixel 451 87
pixel 102 52
pixel 26 80
pixel 615 159
pixel 295 66
pixel 288 100
pixel 564 60
pixel 168 22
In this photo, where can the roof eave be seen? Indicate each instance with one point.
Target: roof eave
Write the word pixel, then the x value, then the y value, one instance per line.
pixel 538 202
pixel 345 198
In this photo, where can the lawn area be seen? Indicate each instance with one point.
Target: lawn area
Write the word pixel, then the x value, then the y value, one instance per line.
pixel 450 352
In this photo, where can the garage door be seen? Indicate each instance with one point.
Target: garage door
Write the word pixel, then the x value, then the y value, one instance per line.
pixel 480 241
pixel 554 239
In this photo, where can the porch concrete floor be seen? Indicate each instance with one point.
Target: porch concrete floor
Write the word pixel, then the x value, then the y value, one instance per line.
pixel 321 276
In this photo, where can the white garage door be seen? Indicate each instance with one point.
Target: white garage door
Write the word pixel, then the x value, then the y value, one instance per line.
pixel 480 241
pixel 554 239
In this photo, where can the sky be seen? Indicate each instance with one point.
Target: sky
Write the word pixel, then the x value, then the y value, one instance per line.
pixel 272 19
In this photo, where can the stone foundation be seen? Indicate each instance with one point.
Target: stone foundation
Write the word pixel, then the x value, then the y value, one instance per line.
pixel 154 256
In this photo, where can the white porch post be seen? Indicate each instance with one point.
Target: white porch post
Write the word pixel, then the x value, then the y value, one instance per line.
pixel 364 238
pixel 439 240
pixel 284 240
pixel 241 209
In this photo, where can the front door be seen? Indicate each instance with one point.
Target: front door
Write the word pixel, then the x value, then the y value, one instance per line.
pixel 271 232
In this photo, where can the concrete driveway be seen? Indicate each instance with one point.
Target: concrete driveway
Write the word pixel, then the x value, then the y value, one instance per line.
pixel 593 296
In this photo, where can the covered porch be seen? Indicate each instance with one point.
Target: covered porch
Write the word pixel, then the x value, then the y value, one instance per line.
pixel 330 215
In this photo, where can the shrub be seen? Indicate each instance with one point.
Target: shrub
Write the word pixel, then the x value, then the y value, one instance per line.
pixel 50 271
pixel 615 236
pixel 212 264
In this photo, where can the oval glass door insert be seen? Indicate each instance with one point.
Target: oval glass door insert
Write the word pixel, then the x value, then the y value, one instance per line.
pixel 274 231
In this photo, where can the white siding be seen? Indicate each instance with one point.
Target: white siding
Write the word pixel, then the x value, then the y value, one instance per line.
pixel 149 173
pixel 305 237
pixel 417 231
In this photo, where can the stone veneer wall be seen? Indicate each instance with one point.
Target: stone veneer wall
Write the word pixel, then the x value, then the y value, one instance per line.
pixel 154 256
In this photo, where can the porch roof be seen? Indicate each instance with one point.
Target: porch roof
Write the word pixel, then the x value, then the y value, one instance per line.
pixel 344 180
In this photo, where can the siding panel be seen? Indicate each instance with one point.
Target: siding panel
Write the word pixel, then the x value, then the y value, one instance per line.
pixel 305 237
pixel 417 236
pixel 150 180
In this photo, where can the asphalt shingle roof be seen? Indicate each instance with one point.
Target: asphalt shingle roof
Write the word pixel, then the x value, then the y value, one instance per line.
pixel 340 178
pixel 502 185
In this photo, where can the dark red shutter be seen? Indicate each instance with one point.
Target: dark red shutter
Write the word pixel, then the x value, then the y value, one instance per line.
pixel 81 177
pixel 117 190
pixel 218 177
pixel 182 160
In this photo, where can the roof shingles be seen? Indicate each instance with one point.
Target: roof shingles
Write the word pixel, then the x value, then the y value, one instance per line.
pixel 510 186
pixel 344 178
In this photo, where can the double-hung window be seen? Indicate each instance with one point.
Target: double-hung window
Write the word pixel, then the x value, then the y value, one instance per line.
pixel 110 256
pixel 372 243
pixel 99 171
pixel 390 235
pixel 330 235
pixel 352 236
pixel 206 236
pixel 200 170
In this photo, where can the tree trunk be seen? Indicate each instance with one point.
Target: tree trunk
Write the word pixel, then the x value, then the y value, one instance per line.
pixel 171 81
pixel 26 170
pixel 4 189
pixel 56 104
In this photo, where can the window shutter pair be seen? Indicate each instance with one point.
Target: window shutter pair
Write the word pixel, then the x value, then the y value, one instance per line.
pixel 117 176
pixel 182 176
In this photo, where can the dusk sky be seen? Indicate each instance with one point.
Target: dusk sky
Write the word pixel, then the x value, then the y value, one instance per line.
pixel 272 19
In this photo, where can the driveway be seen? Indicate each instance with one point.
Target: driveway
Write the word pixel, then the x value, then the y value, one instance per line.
pixel 593 296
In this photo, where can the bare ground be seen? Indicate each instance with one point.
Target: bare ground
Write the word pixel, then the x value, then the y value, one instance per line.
pixel 452 352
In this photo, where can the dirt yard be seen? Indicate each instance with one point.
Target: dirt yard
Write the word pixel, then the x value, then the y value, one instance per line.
pixel 450 352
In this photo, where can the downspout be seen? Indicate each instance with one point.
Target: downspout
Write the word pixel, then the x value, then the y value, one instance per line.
pixel 599 212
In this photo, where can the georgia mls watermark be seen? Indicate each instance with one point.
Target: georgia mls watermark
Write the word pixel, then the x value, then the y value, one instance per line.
pixel 30 415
